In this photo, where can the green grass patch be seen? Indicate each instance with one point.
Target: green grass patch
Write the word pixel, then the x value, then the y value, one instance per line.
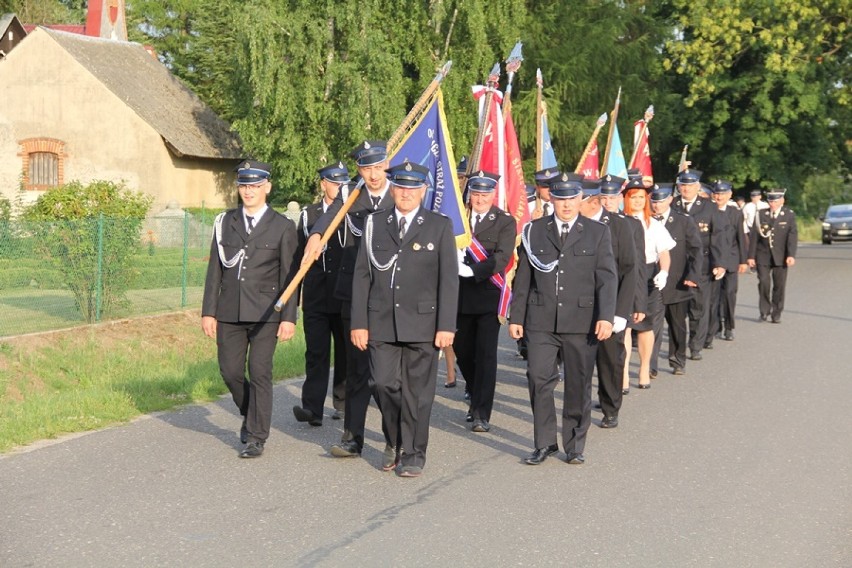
pixel 86 380
pixel 810 230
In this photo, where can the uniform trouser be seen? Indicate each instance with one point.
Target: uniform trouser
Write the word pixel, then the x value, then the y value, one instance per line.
pixel 723 303
pixel 359 387
pixel 406 374
pixel 699 314
pixel 676 315
pixel 255 342
pixel 658 319
pixel 610 364
pixel 475 345
pixel 320 329
pixel 578 359
pixel 771 284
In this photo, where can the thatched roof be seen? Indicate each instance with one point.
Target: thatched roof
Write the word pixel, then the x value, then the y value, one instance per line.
pixel 188 126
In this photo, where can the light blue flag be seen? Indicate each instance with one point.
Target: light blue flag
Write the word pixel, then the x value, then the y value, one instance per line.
pixel 616 166
pixel 428 143
pixel 548 158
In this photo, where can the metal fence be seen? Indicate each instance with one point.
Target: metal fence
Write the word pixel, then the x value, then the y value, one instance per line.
pixel 55 275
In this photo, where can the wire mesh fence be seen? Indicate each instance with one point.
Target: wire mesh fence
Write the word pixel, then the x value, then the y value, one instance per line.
pixel 56 274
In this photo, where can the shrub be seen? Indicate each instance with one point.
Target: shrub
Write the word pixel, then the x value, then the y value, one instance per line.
pixel 90 232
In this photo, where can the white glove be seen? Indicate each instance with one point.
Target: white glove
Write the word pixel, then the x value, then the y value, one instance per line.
pixel 464 270
pixel 660 279
pixel 618 324
pixel 462 254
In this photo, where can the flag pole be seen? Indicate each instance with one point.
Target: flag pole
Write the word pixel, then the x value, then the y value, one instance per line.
pixel 540 112
pixel 605 165
pixel 682 165
pixel 410 119
pixel 592 139
pixel 649 114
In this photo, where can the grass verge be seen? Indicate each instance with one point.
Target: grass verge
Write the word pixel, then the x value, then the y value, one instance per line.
pixel 89 378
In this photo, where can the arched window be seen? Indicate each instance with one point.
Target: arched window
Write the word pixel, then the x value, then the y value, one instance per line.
pixel 43 163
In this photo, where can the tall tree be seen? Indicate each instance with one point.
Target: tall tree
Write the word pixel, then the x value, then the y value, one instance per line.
pixel 765 87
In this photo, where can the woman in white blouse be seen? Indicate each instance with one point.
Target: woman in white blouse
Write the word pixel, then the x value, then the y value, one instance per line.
pixel 658 243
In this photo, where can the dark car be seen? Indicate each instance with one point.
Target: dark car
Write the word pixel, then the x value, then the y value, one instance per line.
pixel 837 223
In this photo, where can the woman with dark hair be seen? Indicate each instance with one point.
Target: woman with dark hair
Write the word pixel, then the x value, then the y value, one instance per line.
pixel 658 243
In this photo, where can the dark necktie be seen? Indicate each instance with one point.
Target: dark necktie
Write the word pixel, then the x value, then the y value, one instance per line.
pixel 401 227
pixel 476 221
pixel 658 217
pixel 250 224
pixel 546 208
pixel 376 199
pixel 564 235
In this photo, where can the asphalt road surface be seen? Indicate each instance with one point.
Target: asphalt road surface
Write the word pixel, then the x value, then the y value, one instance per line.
pixel 744 461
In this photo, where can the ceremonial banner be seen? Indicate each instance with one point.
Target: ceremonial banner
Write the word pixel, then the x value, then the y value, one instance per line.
pixel 516 194
pixel 428 143
pixel 589 169
pixel 641 158
pixel 616 166
pixel 492 157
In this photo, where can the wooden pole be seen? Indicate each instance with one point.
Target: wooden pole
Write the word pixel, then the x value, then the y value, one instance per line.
pixel 649 114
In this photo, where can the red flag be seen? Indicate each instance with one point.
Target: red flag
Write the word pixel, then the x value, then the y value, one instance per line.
pixel 492 156
pixel 642 153
pixel 516 194
pixel 589 167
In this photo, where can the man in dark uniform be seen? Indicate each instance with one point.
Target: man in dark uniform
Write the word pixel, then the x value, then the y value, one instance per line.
pixel 477 325
pixel 404 298
pixel 251 257
pixel 564 296
pixel 682 279
pixel 371 158
pixel 774 238
pixel 723 299
pixel 544 206
pixel 611 353
pixel 712 230
pixel 321 308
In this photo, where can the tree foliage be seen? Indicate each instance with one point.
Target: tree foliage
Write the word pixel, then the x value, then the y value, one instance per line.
pixel 90 232
pixel 765 87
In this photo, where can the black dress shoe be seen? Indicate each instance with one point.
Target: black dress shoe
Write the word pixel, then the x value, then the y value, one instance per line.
pixel 481 426
pixel 609 422
pixel 346 449
pixel 540 454
pixel 467 395
pixel 763 317
pixel 253 450
pixel 678 371
pixel 653 373
pixel 708 345
pixel 450 385
pixel 390 458
pixel 303 415
pixel 243 432
pixel 625 391
pixel 597 406
pixel 695 356
pixel 575 458
pixel 468 417
pixel 729 335
pixel 641 386
pixel 776 320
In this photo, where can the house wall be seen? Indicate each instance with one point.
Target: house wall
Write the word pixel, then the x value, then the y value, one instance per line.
pixel 45 93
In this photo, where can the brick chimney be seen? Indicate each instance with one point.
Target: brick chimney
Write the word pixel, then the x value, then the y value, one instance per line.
pixel 106 19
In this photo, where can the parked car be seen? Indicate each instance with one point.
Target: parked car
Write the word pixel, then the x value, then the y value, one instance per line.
pixel 837 223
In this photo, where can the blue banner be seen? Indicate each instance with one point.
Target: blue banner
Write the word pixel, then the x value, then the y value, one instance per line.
pixel 548 157
pixel 428 143
pixel 616 166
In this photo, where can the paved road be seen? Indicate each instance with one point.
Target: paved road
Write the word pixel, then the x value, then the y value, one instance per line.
pixel 743 462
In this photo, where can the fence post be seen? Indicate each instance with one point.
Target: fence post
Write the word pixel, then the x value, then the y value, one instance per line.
pixel 185 269
pixel 99 283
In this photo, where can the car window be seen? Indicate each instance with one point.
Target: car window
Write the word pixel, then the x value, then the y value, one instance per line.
pixel 839 211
